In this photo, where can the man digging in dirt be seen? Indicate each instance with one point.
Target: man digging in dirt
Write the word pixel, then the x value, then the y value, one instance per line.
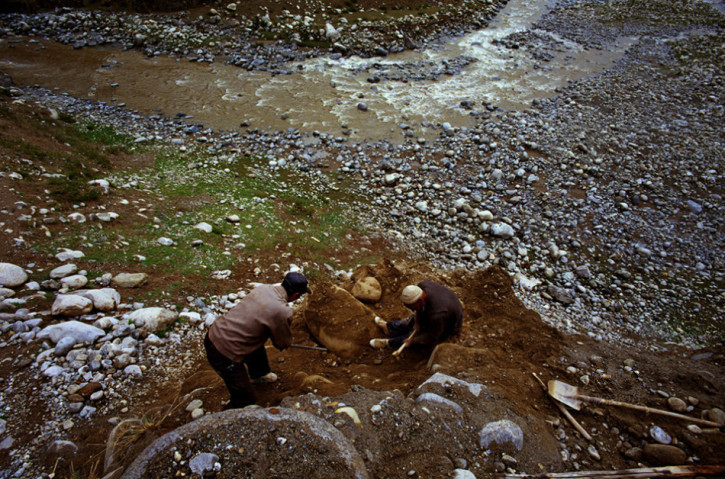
pixel 438 315
pixel 237 338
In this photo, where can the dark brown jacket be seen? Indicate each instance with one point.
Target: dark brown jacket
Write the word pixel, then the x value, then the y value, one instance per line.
pixel 440 318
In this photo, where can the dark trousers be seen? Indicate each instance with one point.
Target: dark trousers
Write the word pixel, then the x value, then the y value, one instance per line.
pixel 399 330
pixel 235 374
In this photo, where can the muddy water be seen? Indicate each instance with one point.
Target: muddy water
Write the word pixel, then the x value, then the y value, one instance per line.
pixel 322 94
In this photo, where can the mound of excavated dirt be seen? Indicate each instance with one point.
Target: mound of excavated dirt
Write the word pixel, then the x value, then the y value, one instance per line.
pixel 430 412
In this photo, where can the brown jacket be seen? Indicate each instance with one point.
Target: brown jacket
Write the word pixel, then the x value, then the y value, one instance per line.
pixel 262 314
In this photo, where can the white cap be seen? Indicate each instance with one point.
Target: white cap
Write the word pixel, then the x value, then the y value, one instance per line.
pixel 411 294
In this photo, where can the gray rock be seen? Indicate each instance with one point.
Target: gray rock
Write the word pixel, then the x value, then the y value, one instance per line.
pixel 62 449
pixel 129 280
pixel 152 319
pixel 560 294
pixel 463 474
pixel 663 455
pixel 677 404
pixel 63 271
pixel 81 332
pixel 503 433
pixel 12 275
pixel 203 463
pixel 105 299
pixel 6 293
pixel 439 400
pixel 64 345
pixel 716 415
pixel 68 254
pixel 71 305
pixel 75 281
pixel 502 230
pixel 133 370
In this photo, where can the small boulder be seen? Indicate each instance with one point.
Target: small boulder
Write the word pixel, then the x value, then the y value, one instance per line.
pixel 663 455
pixel 81 332
pixel 71 305
pixel 12 275
pixel 504 434
pixel 129 280
pixel 152 319
pixel 63 271
pixel 367 289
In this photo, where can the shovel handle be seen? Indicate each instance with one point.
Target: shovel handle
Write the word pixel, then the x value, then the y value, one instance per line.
pixel 610 402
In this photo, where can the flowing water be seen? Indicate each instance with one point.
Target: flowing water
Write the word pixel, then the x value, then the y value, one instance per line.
pixel 323 94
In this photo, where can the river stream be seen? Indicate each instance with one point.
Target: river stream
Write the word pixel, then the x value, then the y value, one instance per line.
pixel 322 94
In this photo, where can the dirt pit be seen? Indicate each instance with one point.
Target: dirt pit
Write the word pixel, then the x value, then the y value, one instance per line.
pixel 501 344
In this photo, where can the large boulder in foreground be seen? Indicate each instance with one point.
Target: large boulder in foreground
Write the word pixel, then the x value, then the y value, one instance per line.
pixel 339 321
pixel 270 442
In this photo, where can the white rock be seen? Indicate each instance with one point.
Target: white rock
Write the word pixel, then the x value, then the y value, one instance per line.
pixel 81 332
pixel 205 227
pixel 502 230
pixel 77 218
pixel 63 271
pixel 76 281
pixel 463 474
pixel 192 317
pixel 106 217
pixel 331 32
pixel 133 370
pixel 104 185
pixel 165 241
pixel 53 371
pixel 153 318
pixel 71 305
pixel 153 340
pixel 67 254
pixel 12 275
pixel 485 215
pixel 105 299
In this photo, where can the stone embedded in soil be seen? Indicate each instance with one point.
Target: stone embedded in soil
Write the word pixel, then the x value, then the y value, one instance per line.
pixel 367 289
pixel 664 455
pixel 129 280
pixel 503 434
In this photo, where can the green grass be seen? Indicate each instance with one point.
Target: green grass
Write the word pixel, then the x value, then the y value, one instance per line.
pixel 273 210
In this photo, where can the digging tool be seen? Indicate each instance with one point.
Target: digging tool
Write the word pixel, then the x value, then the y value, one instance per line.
pixel 404 345
pixel 302 346
pixel 642 473
pixel 570 396
pixel 566 413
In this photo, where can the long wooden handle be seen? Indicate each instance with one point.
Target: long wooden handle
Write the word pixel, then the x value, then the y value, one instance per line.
pixel 566 413
pixel 643 473
pixel 647 410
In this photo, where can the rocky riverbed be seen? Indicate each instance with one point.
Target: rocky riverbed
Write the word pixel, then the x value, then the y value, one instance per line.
pixel 603 203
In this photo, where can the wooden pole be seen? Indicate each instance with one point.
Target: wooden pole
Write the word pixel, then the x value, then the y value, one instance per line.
pixel 566 413
pixel 642 473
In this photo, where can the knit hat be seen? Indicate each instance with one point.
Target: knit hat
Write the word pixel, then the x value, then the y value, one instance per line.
pixel 411 294
pixel 295 282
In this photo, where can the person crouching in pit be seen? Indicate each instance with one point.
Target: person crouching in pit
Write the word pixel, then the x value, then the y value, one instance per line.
pixel 237 338
pixel 437 316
